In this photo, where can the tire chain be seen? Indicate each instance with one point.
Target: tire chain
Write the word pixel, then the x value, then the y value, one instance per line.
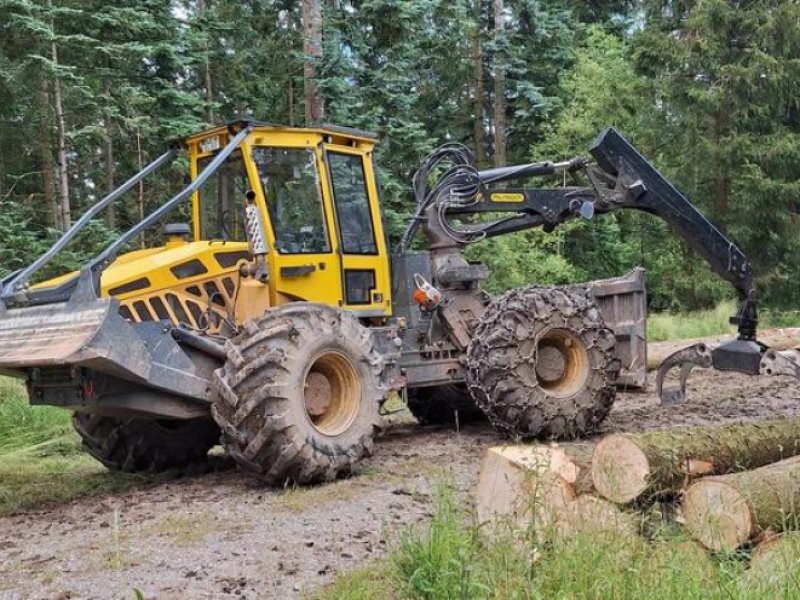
pixel 519 406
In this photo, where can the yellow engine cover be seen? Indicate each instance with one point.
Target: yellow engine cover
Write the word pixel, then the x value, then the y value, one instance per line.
pixel 195 283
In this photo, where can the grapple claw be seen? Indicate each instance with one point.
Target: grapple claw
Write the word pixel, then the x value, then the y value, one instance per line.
pixel 686 359
pixel 786 362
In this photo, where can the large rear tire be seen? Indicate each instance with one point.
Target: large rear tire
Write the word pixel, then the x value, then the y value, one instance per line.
pixel 298 398
pixel 146 446
pixel 541 363
pixel 442 404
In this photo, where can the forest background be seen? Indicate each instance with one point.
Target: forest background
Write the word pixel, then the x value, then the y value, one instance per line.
pixel 708 90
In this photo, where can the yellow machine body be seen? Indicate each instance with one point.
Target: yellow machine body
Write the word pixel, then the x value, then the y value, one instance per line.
pixel 199 282
pixel 313 275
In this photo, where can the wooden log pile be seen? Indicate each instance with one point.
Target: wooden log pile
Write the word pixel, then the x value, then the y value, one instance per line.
pixel 737 485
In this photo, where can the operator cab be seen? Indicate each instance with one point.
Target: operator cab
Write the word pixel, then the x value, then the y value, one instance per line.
pixel 316 200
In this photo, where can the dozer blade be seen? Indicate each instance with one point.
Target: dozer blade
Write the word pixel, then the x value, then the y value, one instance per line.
pixel 93 335
pixel 742 356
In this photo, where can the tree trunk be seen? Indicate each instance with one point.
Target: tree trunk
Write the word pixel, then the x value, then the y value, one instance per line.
pixel 726 511
pixel 108 155
pixel 499 89
pixel 312 52
pixel 477 61
pixel 140 159
pixel 291 101
pixel 631 466
pixel 207 83
pixel 46 157
pixel 63 176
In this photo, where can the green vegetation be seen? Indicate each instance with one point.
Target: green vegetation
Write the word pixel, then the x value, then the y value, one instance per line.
pixel 452 559
pixel 706 323
pixel 90 90
pixel 41 458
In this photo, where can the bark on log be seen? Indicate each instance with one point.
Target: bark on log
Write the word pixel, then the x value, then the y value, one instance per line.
pixel 525 486
pixel 629 466
pixel 724 512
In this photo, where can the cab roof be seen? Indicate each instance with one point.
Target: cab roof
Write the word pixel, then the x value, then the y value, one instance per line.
pixel 264 127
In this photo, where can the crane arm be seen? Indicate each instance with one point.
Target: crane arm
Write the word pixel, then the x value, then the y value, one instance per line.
pixel 618 178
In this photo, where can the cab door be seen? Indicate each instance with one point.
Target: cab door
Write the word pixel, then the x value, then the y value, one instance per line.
pixel 304 264
pixel 365 278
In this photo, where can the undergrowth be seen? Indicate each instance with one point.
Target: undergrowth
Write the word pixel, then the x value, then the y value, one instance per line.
pixel 453 558
pixel 41 459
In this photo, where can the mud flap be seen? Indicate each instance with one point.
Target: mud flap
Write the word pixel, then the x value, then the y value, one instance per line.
pixel 93 335
pixel 623 302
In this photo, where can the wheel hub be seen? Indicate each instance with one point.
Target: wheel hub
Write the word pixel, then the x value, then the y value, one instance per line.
pixel 562 363
pixel 332 393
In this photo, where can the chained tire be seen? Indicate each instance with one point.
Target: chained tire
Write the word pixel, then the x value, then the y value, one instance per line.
pixel 443 404
pixel 298 397
pixel 144 445
pixel 541 363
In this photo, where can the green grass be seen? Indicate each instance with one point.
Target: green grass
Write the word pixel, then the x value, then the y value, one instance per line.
pixel 705 323
pixel 41 459
pixel 453 559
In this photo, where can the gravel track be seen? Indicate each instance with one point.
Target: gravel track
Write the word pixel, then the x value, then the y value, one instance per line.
pixel 223 535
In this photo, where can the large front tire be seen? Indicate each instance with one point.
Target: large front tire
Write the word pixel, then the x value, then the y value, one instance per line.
pixel 146 446
pixel 298 398
pixel 541 363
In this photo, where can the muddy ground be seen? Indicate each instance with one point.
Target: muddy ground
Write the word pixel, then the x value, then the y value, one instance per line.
pixel 222 535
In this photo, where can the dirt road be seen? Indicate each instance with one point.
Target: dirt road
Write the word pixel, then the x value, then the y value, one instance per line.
pixel 224 536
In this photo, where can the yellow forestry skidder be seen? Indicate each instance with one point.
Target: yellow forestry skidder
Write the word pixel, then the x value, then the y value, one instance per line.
pixel 279 321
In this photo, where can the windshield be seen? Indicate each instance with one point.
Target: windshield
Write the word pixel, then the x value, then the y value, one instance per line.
pixel 291 189
pixel 222 200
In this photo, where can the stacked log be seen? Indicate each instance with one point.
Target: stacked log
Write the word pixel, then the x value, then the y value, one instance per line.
pixel 530 485
pixel 545 488
pixel 725 512
pixel 774 565
pixel 626 467
pixel 551 488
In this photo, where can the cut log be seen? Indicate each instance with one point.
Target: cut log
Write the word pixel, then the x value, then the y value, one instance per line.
pixel 628 466
pixel 523 486
pixel 774 565
pixel 724 512
pixel 572 462
pixel 590 515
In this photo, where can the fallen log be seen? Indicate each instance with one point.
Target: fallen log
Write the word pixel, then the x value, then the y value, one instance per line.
pixel 529 485
pixel 628 466
pixel 593 516
pixel 723 512
pixel 774 565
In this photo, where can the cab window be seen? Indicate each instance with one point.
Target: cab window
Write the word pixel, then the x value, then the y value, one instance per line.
pixel 291 187
pixel 352 204
pixel 222 200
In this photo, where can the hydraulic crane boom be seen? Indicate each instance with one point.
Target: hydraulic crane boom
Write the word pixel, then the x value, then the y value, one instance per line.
pixel 618 178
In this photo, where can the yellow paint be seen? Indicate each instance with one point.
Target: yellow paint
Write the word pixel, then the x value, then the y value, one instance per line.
pixel 507 197
pixel 249 297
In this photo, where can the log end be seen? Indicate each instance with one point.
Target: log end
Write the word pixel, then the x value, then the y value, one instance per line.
pixel 717 515
pixel 620 469
pixel 510 490
pixel 595 516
